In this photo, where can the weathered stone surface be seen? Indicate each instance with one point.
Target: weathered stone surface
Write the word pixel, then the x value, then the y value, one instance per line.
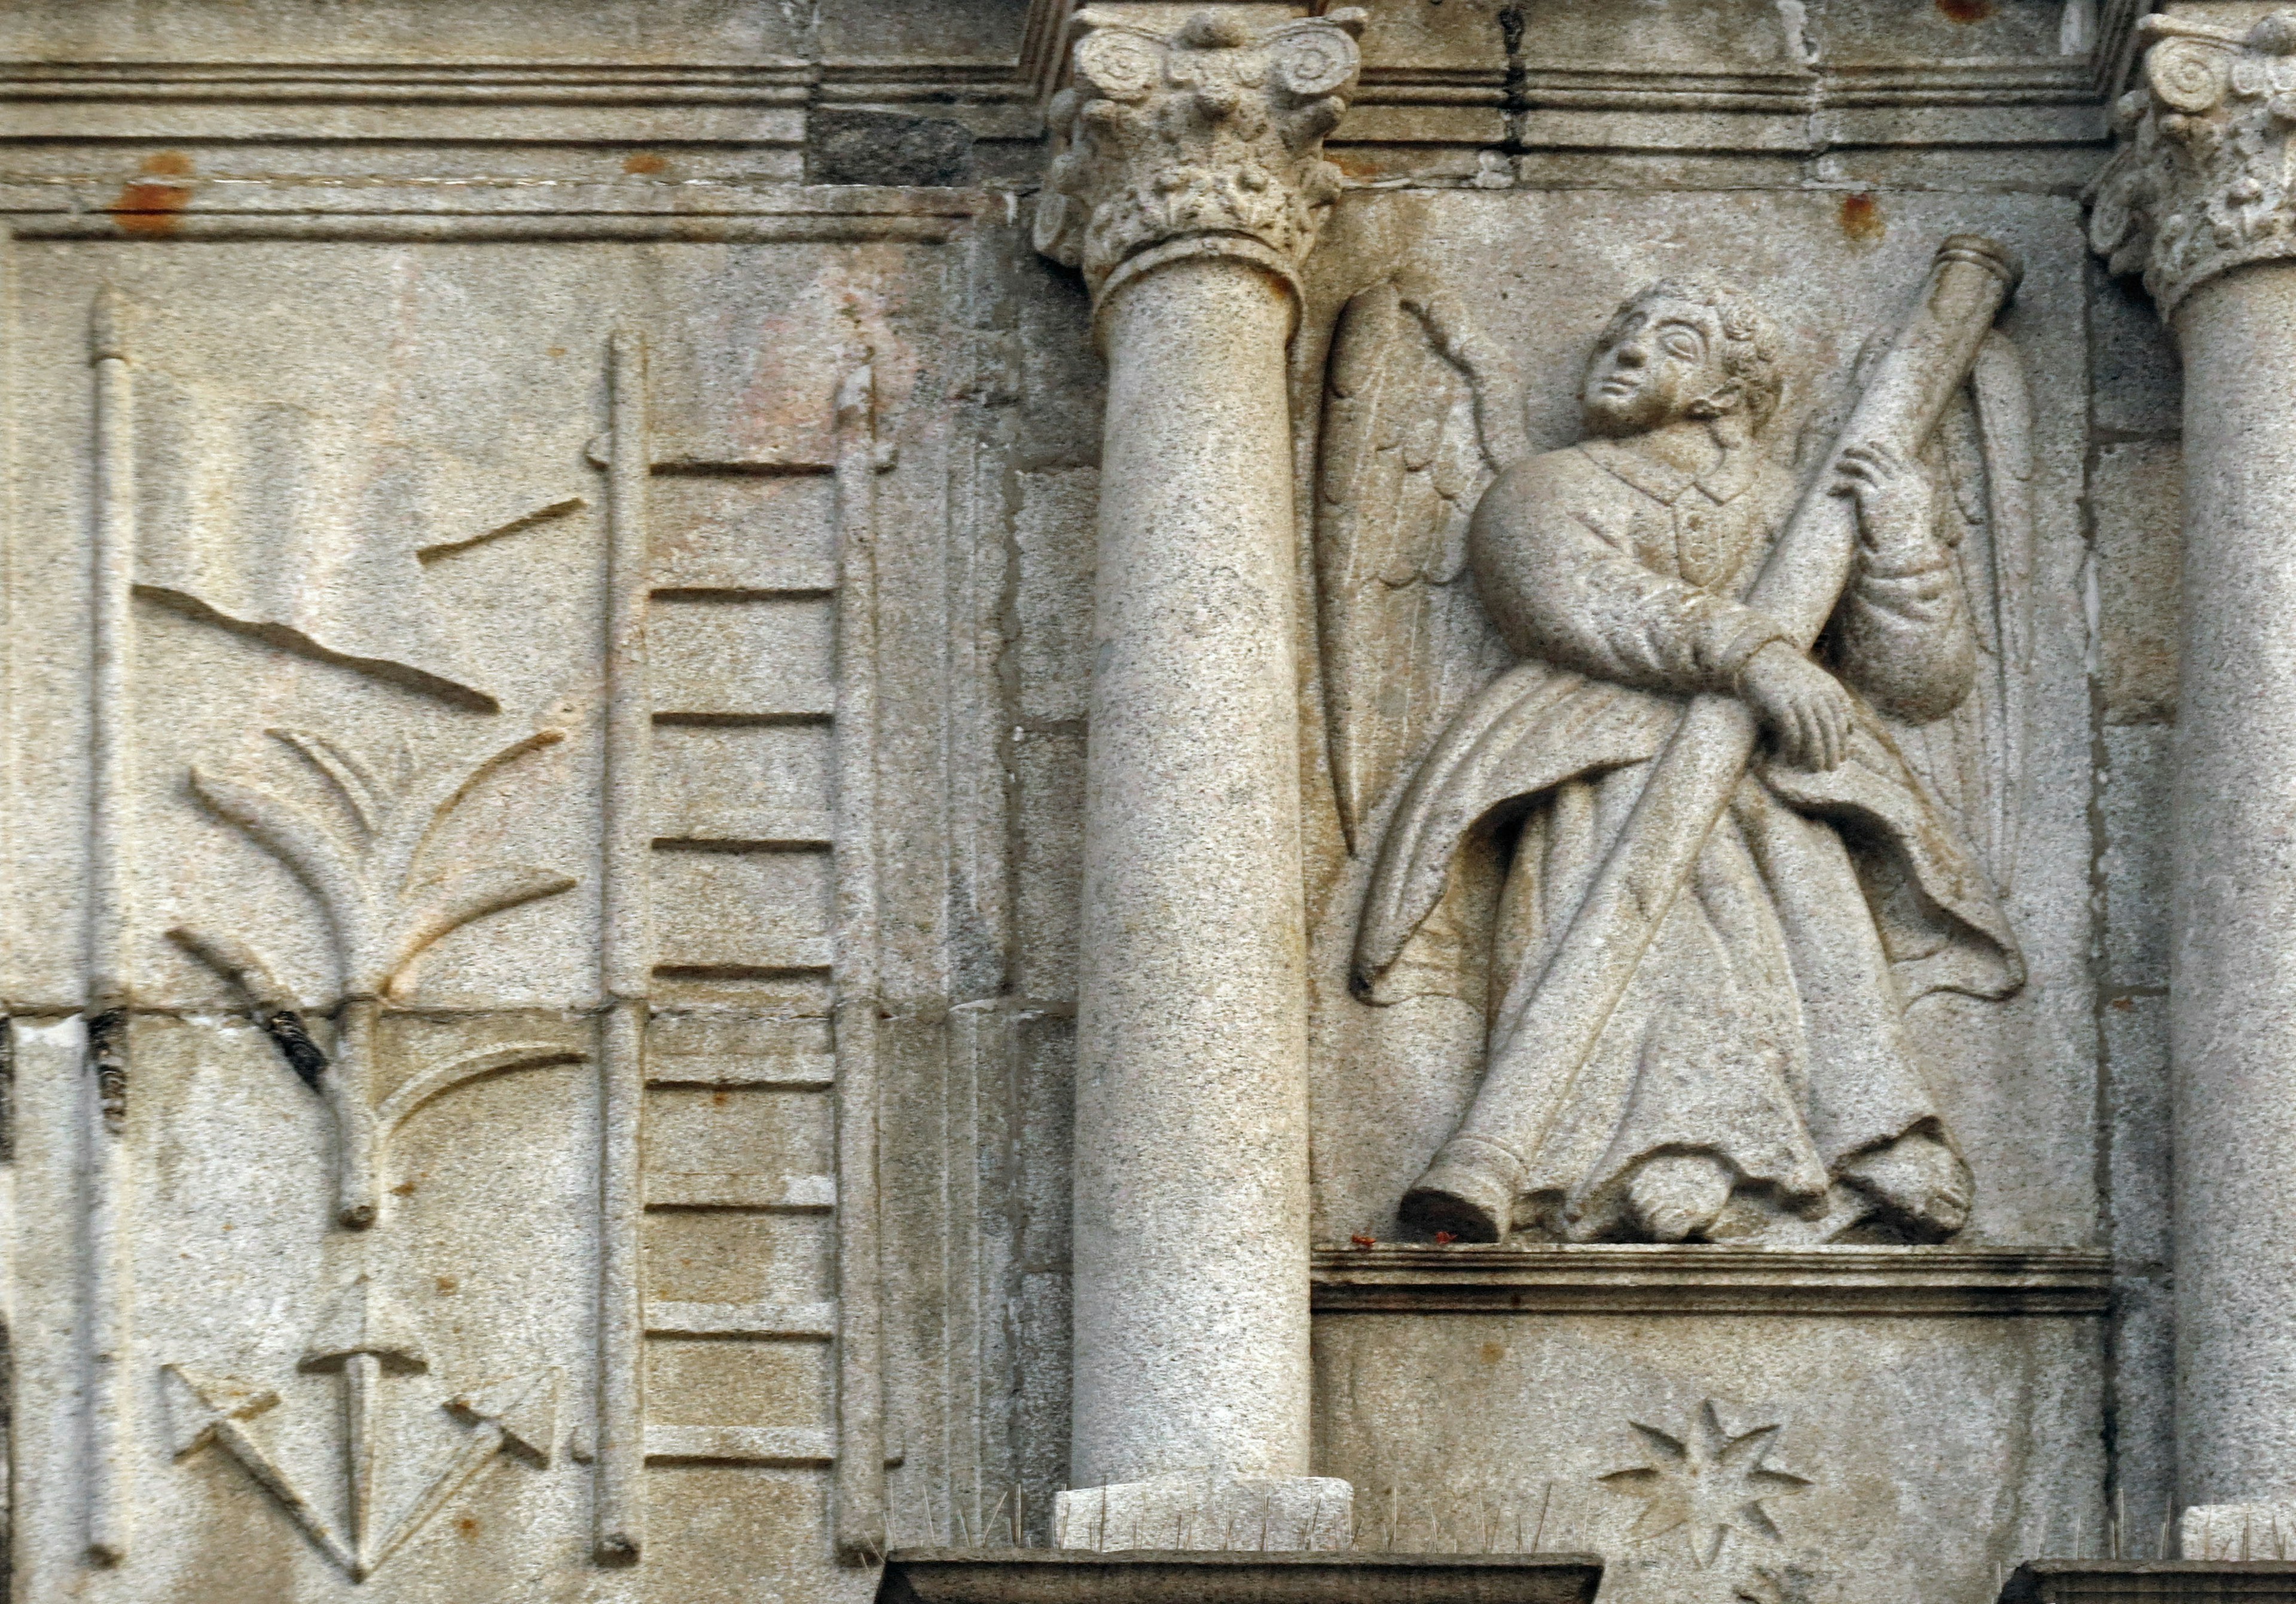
pixel 2137 782
pixel 2136 496
pixel 1208 1510
pixel 1679 1445
pixel 664 810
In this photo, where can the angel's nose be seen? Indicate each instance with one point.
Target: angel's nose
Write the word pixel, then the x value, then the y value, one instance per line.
pixel 1630 355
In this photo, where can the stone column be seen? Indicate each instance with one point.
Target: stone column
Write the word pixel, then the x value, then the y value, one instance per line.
pixel 2198 199
pixel 1188 187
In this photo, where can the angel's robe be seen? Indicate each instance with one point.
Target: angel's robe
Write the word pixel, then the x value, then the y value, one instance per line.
pixel 1766 1025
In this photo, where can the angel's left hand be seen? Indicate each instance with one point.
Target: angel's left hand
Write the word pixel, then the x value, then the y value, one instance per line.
pixel 1895 500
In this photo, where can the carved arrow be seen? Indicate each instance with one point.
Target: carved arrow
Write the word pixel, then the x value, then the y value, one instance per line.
pixel 517 1416
pixel 359 1337
pixel 203 1409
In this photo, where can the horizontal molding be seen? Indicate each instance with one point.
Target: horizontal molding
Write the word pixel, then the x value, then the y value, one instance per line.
pixel 210 228
pixel 706 1049
pixel 477 83
pixel 690 720
pixel 740 1189
pixel 970 83
pixel 797 833
pixel 1607 89
pixel 1712 1279
pixel 993 1575
pixel 793 1445
pixel 790 83
pixel 782 1074
pixel 2057 81
pixel 761 1322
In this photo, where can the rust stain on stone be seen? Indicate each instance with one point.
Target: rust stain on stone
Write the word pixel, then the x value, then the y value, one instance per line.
pixel 173 164
pixel 1861 218
pixel 1967 10
pixel 145 207
pixel 643 162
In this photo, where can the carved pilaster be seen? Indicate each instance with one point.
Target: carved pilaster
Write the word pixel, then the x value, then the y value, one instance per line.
pixel 2201 182
pixel 1208 141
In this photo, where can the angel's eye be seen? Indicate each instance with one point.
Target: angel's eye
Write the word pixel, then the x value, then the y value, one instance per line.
pixel 1681 343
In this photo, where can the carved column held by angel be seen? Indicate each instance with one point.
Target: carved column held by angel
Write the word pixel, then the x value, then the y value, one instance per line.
pixel 1757 1078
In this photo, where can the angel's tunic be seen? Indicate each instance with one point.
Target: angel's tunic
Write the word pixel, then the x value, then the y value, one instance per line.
pixel 1766 1025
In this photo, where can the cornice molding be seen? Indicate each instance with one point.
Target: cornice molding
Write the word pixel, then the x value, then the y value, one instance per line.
pixel 516 214
pixel 1712 1279
pixel 476 83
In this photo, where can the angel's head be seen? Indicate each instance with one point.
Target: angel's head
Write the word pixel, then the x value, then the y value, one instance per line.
pixel 1681 348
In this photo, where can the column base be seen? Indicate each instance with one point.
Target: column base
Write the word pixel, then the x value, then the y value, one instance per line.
pixel 1208 1511
pixel 2150 1581
pixel 1074 1577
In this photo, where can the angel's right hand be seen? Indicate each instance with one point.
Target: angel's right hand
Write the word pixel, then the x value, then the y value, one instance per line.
pixel 1805 709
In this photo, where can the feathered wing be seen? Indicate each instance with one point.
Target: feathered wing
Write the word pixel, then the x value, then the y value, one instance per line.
pixel 1419 414
pixel 1975 758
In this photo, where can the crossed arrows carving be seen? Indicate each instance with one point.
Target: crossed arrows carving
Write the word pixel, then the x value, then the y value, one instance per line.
pixel 361 1339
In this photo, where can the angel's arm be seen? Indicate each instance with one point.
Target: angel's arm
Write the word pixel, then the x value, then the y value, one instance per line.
pixel 1902 633
pixel 1559 591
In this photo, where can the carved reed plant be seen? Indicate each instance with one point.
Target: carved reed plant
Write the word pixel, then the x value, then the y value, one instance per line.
pixel 361 848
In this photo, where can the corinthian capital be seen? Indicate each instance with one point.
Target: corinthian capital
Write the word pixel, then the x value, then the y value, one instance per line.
pixel 1212 136
pixel 2201 182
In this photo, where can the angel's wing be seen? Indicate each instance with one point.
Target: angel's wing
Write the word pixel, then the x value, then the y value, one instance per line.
pixel 1419 414
pixel 1975 758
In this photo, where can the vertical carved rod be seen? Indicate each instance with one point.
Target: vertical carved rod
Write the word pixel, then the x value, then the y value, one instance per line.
pixel 361 1407
pixel 860 1484
pixel 11 616
pixel 625 964
pixel 111 642
pixel 349 1090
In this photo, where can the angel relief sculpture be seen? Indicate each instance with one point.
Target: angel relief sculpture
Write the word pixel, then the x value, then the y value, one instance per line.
pixel 1753 1075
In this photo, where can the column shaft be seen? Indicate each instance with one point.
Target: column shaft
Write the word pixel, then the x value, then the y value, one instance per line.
pixel 2232 981
pixel 1191 1274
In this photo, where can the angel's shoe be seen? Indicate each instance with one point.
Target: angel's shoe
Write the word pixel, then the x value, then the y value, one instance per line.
pixel 1677 1196
pixel 1462 1198
pixel 1917 1184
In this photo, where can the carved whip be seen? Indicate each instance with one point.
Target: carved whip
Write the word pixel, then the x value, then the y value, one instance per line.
pixel 1691 781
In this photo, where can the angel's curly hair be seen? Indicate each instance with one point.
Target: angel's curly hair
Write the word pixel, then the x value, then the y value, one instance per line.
pixel 1749 340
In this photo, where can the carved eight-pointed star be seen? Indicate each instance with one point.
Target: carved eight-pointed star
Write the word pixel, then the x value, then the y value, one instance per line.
pixel 1707 1480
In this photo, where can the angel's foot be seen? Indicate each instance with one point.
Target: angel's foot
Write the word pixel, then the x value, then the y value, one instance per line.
pixel 1917 1184
pixel 1675 1195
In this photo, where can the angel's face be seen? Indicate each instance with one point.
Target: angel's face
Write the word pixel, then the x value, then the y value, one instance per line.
pixel 1661 358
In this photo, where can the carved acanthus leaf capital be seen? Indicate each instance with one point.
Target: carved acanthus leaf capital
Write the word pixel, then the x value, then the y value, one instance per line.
pixel 2201 182
pixel 1214 132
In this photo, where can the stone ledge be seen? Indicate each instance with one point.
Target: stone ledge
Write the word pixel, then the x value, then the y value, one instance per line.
pixel 1165 1576
pixel 1712 1279
pixel 2099 1581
